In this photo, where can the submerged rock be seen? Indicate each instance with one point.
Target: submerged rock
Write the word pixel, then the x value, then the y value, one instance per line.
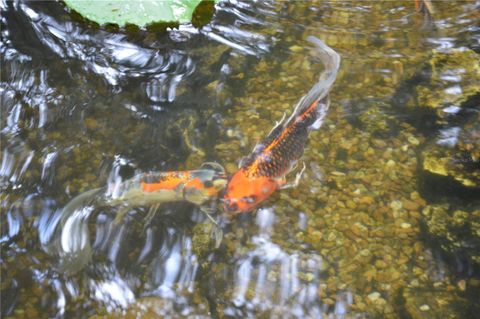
pixel 456 231
pixel 455 76
pixel 443 86
pixel 441 100
pixel 453 163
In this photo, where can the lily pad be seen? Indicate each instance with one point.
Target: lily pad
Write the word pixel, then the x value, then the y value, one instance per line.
pixel 140 13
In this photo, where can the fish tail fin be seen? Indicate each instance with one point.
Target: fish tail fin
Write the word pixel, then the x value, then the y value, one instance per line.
pixel 70 239
pixel 78 202
pixel 314 105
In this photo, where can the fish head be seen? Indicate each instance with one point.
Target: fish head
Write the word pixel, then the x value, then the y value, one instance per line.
pixel 245 192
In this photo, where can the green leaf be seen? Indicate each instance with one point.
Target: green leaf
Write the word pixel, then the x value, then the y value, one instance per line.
pixel 140 12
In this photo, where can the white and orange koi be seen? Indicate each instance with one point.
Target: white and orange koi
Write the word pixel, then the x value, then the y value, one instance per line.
pixel 70 232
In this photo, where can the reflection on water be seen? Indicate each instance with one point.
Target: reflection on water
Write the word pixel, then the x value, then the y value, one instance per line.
pixel 86 107
pixel 269 279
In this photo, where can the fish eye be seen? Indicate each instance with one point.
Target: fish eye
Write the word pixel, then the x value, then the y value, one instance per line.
pixel 249 199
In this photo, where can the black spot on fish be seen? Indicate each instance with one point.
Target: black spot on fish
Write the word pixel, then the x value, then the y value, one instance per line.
pixel 208 184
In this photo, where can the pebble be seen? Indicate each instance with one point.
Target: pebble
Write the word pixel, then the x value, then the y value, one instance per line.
pixel 410 205
pixel 365 252
pixel 316 235
pixel 296 48
pixel 351 204
pixel 368 200
pixel 329 301
pixel 359 229
pixel 412 140
pixel 396 205
pixel 405 225
pixel 390 163
pixel 424 308
pixel 309 277
pixel 361 306
pixel 331 237
pixel 374 296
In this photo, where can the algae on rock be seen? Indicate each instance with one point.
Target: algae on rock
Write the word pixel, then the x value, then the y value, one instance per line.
pixel 446 162
pixel 456 230
pixel 455 76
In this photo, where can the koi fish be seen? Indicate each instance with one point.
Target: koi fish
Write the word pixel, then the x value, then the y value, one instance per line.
pixel 264 170
pixel 194 186
pixel 70 231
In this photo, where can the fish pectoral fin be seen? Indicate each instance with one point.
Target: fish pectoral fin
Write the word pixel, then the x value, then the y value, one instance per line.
pixel 243 161
pixel 281 182
pixel 295 183
pixel 208 212
pixel 152 211
pixel 218 235
pixel 217 232
pixel 294 165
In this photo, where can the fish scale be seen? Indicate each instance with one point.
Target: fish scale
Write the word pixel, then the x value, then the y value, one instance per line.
pixel 283 147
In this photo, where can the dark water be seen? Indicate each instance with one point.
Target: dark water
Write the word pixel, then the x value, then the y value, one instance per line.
pixel 385 221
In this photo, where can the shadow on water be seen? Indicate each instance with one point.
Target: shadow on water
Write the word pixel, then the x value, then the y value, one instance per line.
pixel 383 224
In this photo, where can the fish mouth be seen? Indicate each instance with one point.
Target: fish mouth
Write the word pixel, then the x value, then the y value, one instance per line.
pixel 230 206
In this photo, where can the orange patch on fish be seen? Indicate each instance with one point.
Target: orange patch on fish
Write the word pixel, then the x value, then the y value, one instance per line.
pixel 195 183
pixel 168 183
pixel 245 192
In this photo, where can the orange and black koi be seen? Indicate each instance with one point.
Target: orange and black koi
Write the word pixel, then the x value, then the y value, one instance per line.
pixel 264 170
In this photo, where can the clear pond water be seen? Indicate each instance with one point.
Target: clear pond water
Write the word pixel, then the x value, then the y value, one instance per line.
pixel 384 222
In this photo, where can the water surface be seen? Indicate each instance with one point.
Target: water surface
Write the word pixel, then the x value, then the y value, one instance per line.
pixel 383 224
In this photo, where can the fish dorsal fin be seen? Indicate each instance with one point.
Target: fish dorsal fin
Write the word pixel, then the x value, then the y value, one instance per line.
pixel 278 125
pixel 258 149
pixel 244 161
pixel 214 166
